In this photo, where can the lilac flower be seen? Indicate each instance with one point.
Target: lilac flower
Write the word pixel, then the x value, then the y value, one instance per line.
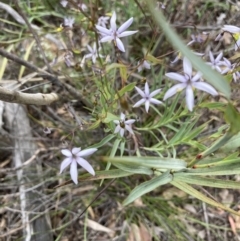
pixel 68 59
pixel 115 34
pixel 83 7
pixel 64 3
pixel 236 32
pixel 230 68
pixel 188 82
pixel 102 21
pixel 160 5
pixel 68 22
pixel 231 29
pixel 93 53
pixel 215 63
pixel 144 65
pixel 147 97
pixel 122 125
pixel 73 158
pixel 195 39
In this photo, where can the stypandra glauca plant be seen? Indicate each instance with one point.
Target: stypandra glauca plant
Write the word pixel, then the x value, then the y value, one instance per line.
pixel 153 120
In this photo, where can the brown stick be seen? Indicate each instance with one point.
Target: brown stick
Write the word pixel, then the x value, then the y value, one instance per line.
pixel 14 96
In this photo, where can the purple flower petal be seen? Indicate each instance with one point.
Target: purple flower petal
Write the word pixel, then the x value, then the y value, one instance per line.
pixel 219 57
pixel 126 33
pixel 155 101
pixel 187 67
pixel 226 63
pixel 122 117
pixel 125 25
pixel 116 122
pixel 146 89
pixel 103 30
pixel 205 87
pixel 86 152
pixel 173 90
pixel 113 21
pixel 74 172
pixel 189 97
pixel 89 48
pixel 82 162
pixel 117 129
pixel 88 56
pixel 211 57
pixel 129 129
pixel 106 39
pixel 75 150
pixel 140 102
pixel 120 45
pixel 66 152
pixel 66 162
pixel 231 28
pixel 129 122
pixel 122 132
pixel 196 77
pixel 140 92
pixel 218 68
pixel 155 92
pixel 147 104
pixel 176 76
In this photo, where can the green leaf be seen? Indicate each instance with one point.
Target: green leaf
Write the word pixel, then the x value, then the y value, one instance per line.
pixel 206 181
pixel 112 154
pixel 104 141
pixel 209 74
pixel 134 169
pixel 109 117
pixel 100 175
pixel 125 89
pixel 94 125
pixel 232 144
pixel 148 186
pixel 216 145
pixel 195 193
pixel 232 117
pixel 213 105
pixel 231 169
pixel 154 60
pixel 123 73
pixel 114 66
pixel 152 162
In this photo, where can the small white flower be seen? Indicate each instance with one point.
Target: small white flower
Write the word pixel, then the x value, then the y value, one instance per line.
pixel 147 97
pixel 195 39
pixel 144 65
pixel 215 63
pixel 122 125
pixel 115 34
pixel 102 21
pixel 68 22
pixel 231 29
pixel 83 7
pixel 230 68
pixel 94 53
pixel 74 157
pixel 188 82
pixel 64 3
pixel 68 59
pixel 236 34
pixel 160 5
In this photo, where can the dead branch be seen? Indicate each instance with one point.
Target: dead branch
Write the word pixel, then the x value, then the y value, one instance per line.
pixel 14 96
